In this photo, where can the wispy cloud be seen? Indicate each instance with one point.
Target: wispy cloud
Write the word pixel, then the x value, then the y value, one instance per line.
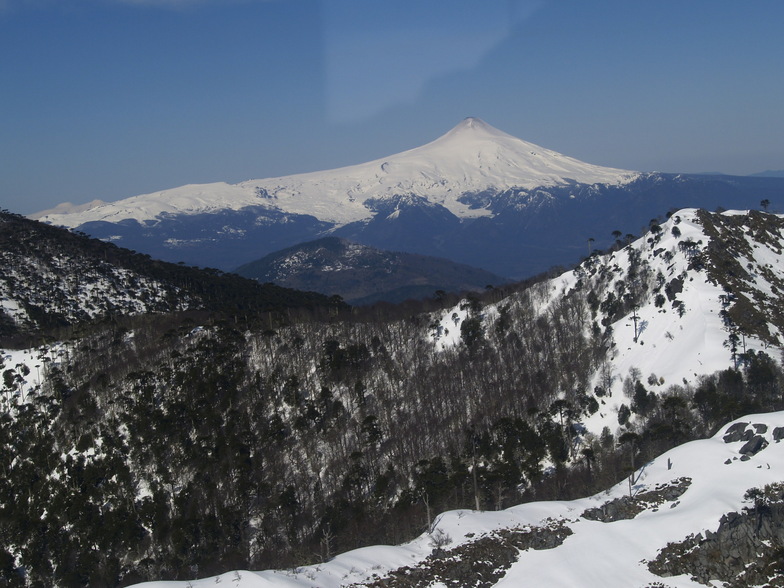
pixel 376 60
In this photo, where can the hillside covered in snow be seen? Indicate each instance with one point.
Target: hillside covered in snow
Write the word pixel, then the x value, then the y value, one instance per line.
pixel 188 446
pixel 52 279
pixel 706 511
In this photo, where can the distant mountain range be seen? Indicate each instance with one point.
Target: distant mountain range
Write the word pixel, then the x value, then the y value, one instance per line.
pixel 52 278
pixel 476 195
pixel 361 274
pixel 771 173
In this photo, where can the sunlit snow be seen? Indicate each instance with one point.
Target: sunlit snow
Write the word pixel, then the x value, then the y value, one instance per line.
pixel 597 553
pixel 472 158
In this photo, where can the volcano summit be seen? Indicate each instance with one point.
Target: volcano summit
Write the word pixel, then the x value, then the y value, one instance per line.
pixel 476 195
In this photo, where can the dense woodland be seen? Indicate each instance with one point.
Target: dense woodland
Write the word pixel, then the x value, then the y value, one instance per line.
pixel 191 442
pixel 65 279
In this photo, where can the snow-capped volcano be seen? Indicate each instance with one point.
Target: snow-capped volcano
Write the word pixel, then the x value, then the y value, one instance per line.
pixel 471 158
pixel 475 195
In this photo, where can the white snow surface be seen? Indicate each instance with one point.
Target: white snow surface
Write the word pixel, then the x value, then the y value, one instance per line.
pixel 29 368
pixel 673 349
pixel 677 349
pixel 596 554
pixel 471 158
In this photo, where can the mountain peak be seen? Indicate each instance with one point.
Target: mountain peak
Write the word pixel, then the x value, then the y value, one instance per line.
pixel 476 128
pixel 471 122
pixel 471 158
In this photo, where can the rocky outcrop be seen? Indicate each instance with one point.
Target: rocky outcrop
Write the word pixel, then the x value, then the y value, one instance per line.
pixel 628 507
pixel 738 432
pixel 754 445
pixel 479 563
pixel 747 549
pixel 752 434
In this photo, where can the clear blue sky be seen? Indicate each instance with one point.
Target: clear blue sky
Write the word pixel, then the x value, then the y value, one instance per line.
pixel 112 98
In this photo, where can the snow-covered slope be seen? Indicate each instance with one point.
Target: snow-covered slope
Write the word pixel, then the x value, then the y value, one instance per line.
pixel 51 278
pixel 680 332
pixel 685 491
pixel 670 308
pixel 472 158
pixel 562 357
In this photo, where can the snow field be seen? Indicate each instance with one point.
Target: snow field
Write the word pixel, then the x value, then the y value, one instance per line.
pixel 597 553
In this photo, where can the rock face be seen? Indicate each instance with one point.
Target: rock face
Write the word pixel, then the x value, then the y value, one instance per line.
pixel 754 445
pixel 627 507
pixel 480 563
pixel 744 551
pixel 752 434
pixel 737 432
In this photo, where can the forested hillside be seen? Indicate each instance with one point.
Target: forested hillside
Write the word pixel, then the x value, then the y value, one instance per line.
pixel 178 446
pixel 52 278
pixel 364 275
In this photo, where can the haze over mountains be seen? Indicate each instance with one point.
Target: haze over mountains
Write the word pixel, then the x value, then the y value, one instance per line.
pixel 476 195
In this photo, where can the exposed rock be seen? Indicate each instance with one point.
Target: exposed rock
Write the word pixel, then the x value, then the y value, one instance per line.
pixel 754 445
pixel 744 551
pixel 480 563
pixel 778 433
pixel 626 507
pixel 735 433
pixel 673 288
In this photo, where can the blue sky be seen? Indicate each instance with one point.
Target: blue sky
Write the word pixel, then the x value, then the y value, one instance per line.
pixel 112 98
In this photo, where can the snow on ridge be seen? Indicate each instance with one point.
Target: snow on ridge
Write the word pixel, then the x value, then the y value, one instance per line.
pixel 679 336
pixel 471 158
pixel 190 199
pixel 70 208
pixel 610 554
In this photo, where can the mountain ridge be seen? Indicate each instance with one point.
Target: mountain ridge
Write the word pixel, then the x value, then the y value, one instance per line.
pixel 53 278
pixel 361 274
pixel 186 446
